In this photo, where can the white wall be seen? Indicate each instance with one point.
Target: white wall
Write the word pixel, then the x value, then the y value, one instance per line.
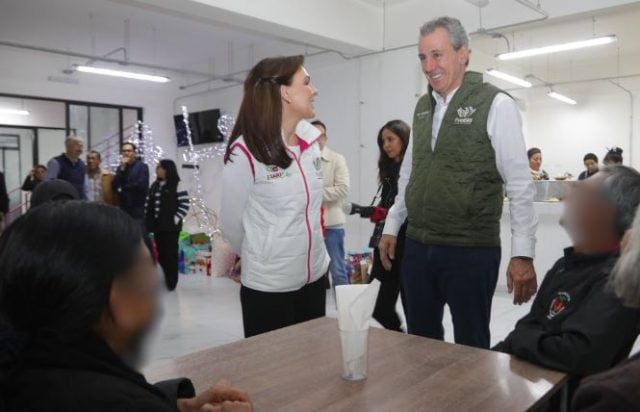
pixel 26 73
pixel 357 97
pixel 565 133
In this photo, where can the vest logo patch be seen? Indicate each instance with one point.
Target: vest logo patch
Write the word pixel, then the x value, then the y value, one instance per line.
pixel 558 304
pixel 464 115
pixel 275 172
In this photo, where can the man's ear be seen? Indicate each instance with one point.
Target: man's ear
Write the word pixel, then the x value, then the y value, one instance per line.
pixel 121 306
pixel 284 94
pixel 463 54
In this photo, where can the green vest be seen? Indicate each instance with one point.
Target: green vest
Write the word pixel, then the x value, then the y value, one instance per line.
pixel 455 193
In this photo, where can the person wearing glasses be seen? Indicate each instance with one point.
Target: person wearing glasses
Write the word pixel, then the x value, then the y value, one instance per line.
pixel 131 183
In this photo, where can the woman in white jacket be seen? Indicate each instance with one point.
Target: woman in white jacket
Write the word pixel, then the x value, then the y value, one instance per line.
pixel 272 196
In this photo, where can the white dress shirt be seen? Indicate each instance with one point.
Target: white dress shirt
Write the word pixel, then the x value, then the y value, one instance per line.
pixel 504 128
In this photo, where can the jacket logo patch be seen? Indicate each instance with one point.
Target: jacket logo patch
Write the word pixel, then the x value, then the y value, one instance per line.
pixel 317 163
pixel 558 304
pixel 464 115
pixel 423 114
pixel 275 172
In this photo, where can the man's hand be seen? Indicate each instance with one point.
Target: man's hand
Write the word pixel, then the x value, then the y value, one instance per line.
pixel 387 248
pixel 521 279
pixel 221 397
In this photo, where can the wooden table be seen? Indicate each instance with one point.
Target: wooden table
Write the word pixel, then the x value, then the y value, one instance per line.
pixel 299 369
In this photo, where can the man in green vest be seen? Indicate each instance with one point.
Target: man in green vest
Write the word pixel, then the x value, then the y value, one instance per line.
pixel 467 149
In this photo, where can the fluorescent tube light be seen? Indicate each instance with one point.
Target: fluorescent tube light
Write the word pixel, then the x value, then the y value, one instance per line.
pixel 561 97
pixel 509 78
pixel 120 73
pixel 596 41
pixel 19 112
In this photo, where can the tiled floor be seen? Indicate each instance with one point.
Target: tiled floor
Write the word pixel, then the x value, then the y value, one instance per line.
pixel 205 312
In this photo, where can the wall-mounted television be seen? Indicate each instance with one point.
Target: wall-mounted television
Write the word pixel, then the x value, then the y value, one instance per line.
pixel 203 125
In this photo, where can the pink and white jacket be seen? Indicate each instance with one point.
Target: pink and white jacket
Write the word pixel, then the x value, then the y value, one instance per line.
pixel 271 216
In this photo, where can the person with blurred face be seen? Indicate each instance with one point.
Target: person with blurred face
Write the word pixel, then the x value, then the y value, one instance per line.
pixel 68 166
pixel 335 176
pixel 98 180
pixel 613 156
pixel 74 325
pixel 272 198
pixel 617 388
pixel 131 183
pixel 466 149
pixel 36 175
pixel 535 164
pixel 591 163
pixel 576 323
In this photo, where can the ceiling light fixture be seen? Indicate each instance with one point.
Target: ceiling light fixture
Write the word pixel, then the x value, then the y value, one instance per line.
pixel 561 97
pixel 18 112
pixel 507 77
pixel 120 73
pixel 556 48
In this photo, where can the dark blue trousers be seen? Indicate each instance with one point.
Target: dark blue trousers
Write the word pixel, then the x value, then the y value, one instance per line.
pixel 464 278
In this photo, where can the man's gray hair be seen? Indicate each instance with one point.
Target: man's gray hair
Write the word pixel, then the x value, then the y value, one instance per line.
pixel 625 277
pixel 621 186
pixel 72 138
pixel 457 34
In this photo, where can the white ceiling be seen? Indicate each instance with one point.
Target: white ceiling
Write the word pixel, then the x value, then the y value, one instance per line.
pixel 172 37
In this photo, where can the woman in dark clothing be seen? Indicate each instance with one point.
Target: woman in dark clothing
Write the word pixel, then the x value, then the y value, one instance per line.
pixel 166 207
pixel 78 296
pixel 393 139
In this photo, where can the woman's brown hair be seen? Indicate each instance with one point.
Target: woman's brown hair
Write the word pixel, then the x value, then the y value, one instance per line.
pixel 259 121
pixel 385 163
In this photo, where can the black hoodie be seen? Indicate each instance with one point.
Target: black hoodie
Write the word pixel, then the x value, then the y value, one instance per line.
pixel 50 376
pixel 576 324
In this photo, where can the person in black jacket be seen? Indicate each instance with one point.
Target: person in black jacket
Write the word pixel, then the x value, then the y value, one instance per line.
pixel 131 183
pixel 393 139
pixel 37 175
pixel 576 324
pixel 76 305
pixel 167 205
pixel 617 388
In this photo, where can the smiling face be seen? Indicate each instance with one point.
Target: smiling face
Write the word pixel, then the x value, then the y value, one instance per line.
pixel 299 96
pixel 392 145
pixel 443 66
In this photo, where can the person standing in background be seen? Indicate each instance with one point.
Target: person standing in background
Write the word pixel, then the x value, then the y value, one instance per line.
pixel 535 164
pixel 98 180
pixel 131 184
pixel 335 176
pixel 68 166
pixel 167 206
pixel 393 139
pixel 613 157
pixel 272 198
pixel 36 175
pixel 467 149
pixel 591 163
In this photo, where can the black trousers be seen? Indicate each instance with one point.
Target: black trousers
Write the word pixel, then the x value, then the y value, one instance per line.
pixel 266 311
pixel 167 243
pixel 390 287
pixel 464 278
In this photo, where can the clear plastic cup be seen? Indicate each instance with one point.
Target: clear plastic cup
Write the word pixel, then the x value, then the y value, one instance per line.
pixel 354 354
